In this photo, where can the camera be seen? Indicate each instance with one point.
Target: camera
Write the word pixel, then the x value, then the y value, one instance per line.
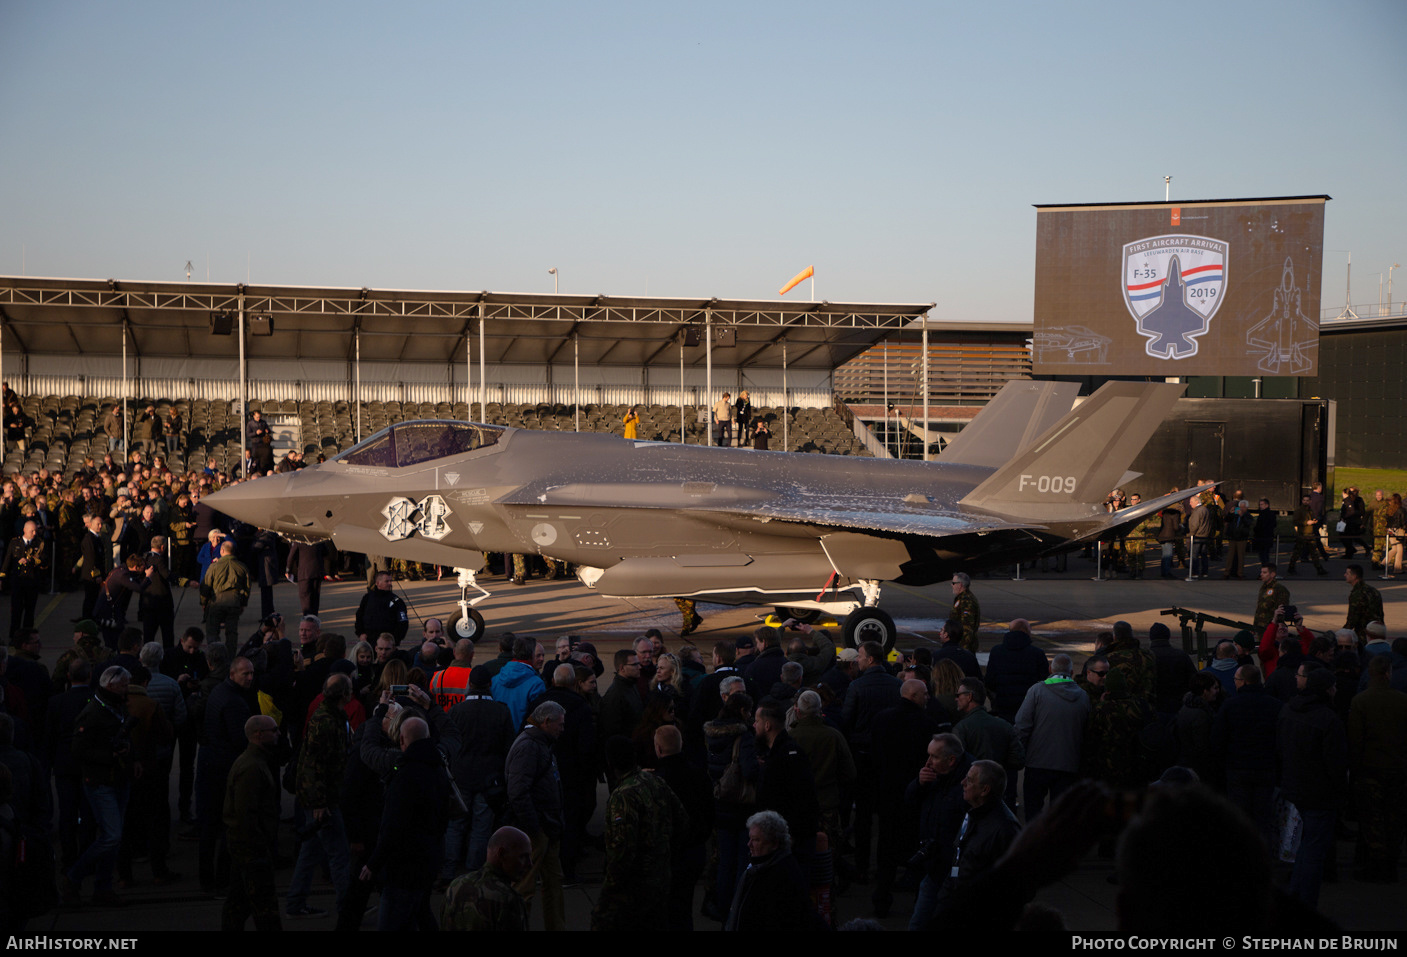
pixel 923 854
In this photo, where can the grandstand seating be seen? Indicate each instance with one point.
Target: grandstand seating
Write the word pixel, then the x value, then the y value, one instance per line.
pixel 65 429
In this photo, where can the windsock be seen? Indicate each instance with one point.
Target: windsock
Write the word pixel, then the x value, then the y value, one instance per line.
pixel 796 280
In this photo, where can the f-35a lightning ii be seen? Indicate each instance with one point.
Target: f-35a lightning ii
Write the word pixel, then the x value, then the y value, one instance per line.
pixel 1027 477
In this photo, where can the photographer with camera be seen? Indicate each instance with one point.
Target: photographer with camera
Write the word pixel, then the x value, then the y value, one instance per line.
pixel 1287 622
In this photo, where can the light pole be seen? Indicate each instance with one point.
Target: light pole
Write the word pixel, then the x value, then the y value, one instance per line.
pixel 1348 312
pixel 552 271
pixel 1389 285
pixel 1167 188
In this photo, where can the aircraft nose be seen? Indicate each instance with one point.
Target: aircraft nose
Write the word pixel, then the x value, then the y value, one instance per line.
pixel 255 502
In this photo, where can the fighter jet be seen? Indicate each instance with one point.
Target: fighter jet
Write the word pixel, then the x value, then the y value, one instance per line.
pixel 801 531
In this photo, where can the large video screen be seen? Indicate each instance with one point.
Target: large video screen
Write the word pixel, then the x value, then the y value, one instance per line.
pixel 1214 287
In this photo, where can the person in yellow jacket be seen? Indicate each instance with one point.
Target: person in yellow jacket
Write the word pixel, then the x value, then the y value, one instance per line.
pixel 632 423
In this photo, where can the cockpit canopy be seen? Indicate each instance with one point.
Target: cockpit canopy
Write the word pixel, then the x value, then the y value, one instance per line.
pixel 411 443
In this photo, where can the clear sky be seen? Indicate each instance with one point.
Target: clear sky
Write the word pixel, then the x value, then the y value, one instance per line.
pixel 677 149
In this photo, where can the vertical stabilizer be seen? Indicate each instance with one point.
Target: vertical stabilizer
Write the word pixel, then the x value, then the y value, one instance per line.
pixel 1068 471
pixel 1017 415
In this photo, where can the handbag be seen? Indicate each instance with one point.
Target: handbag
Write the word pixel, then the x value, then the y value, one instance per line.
pixel 1290 827
pixel 732 787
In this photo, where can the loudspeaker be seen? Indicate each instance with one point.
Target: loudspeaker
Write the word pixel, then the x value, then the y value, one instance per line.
pixel 221 323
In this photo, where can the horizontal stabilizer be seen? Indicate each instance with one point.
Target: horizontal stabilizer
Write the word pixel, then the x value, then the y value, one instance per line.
pixel 1127 517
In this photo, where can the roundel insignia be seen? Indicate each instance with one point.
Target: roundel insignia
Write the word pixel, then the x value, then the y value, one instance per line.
pixel 544 534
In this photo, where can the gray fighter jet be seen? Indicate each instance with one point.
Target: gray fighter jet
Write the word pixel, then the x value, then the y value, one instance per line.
pixel 1028 476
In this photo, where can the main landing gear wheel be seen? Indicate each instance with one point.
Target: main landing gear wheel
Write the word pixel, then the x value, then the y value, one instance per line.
pixel 469 626
pixel 807 616
pixel 869 624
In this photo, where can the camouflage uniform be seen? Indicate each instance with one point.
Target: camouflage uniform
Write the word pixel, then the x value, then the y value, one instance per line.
pixel 1112 751
pixel 1381 799
pixel 1306 540
pixel 644 819
pixel 1143 536
pixel 406 570
pixel 1137 665
pixel 182 525
pixel 1271 597
pixel 690 614
pixel 88 647
pixel 1379 532
pixel 1365 604
pixel 484 900
pixel 323 758
pixel 68 540
pixel 969 614
pixel 322 765
pixel 1377 748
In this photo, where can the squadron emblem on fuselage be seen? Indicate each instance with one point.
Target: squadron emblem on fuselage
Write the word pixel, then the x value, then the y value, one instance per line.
pixel 405 517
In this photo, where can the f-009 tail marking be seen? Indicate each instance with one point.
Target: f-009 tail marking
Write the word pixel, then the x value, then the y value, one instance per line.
pixel 1068 471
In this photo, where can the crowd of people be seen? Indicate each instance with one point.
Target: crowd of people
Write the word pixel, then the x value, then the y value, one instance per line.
pixel 773 775
pixel 1212 526
pixel 771 769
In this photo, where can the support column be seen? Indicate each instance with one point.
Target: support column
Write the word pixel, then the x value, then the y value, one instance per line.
pixel 126 417
pixel 243 390
pixel 708 371
pixel 786 402
pixel 925 387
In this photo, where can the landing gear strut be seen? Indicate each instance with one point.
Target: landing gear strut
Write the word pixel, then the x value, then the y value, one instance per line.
pixel 869 622
pixel 468 623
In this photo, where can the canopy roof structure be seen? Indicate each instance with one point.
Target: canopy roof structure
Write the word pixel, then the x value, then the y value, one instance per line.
pixel 177 319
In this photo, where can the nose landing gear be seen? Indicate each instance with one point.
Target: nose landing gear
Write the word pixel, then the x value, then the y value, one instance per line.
pixel 468 623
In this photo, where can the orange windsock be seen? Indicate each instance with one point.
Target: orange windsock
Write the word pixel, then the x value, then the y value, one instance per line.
pixel 806 273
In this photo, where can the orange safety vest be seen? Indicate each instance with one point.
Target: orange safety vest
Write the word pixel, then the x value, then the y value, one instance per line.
pixel 450 686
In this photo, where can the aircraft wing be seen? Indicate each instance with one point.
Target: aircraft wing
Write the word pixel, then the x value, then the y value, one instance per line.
pixel 744 506
pixel 865 514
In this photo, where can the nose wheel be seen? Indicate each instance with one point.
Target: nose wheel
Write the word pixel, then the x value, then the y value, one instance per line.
pixel 869 622
pixel 466 622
